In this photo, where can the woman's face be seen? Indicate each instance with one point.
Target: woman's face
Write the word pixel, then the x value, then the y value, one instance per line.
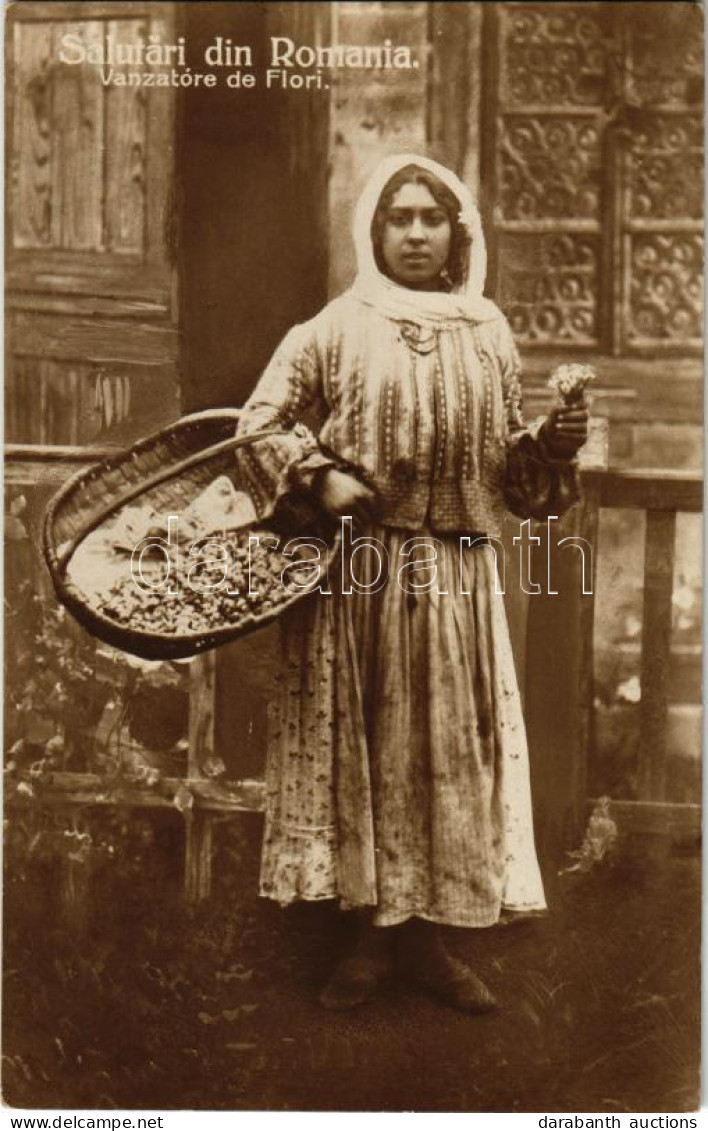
pixel 416 237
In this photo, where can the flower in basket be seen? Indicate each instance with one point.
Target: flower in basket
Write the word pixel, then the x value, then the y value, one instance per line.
pixel 569 381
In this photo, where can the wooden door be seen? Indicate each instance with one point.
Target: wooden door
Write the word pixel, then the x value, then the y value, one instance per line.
pixel 91 338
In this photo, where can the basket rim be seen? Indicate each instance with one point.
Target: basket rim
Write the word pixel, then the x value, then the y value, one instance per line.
pixel 140 642
pixel 86 475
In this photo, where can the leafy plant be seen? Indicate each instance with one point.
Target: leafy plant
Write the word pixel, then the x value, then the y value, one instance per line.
pixel 74 704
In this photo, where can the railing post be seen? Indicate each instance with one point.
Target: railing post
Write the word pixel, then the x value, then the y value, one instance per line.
pixel 198 856
pixel 198 830
pixel 659 548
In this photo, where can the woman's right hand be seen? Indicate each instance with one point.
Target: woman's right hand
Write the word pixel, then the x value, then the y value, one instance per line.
pixel 566 427
pixel 341 495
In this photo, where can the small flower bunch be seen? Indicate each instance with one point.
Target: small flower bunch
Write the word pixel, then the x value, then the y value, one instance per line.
pixel 569 381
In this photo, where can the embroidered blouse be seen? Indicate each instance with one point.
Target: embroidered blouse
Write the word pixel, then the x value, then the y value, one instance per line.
pixel 429 411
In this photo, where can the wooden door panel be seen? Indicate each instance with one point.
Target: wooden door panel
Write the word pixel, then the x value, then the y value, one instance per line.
pixel 90 284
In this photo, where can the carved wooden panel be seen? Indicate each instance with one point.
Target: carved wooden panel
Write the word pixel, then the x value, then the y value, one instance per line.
pixel 31 187
pixel 552 55
pixel 596 114
pixel 665 273
pixel 549 167
pixel 660 170
pixel 549 194
pixel 664 169
pixel 549 284
pixel 76 125
pixel 665 60
pixel 79 186
pixel 63 192
pixel 126 159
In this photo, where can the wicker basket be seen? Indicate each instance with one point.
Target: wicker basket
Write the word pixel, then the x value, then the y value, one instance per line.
pixel 171 467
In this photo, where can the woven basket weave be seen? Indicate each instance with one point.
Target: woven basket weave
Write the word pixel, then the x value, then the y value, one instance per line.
pixel 170 468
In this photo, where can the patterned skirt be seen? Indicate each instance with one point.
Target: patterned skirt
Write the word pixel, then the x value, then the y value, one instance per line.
pixel 397 774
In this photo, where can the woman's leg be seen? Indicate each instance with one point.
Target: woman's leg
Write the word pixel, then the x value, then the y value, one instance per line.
pixel 367 963
pixel 423 960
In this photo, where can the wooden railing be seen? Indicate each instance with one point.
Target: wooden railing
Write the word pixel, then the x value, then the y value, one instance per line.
pixel 556 654
pixel 202 800
pixel 661 495
pixel 564 733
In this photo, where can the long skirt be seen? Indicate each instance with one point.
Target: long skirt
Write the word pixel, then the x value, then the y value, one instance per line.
pixel 397 774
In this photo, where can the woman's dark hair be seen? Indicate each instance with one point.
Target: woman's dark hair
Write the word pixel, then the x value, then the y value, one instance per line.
pixel 442 195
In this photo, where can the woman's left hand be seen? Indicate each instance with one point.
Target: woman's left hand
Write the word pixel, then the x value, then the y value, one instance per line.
pixel 566 429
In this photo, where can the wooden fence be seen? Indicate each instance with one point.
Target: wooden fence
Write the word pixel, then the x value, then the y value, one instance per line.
pixel 660 493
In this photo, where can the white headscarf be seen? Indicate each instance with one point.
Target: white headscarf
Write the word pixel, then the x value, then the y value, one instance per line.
pixel 371 286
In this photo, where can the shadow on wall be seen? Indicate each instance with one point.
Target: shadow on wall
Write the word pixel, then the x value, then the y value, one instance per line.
pixel 252 263
pixel 252 255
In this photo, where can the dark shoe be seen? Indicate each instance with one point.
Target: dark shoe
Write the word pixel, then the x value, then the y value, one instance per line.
pixel 354 982
pixel 457 987
pixel 424 962
pixel 367 965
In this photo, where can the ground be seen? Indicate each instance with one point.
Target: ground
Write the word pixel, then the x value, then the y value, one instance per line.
pixel 153 1007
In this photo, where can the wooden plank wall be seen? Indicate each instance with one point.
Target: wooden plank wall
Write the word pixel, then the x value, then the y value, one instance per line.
pixel 91 328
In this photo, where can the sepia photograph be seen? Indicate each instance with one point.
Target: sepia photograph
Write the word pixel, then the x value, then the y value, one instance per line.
pixel 353 558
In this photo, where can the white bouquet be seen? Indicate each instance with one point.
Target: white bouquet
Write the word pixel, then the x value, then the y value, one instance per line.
pixel 569 381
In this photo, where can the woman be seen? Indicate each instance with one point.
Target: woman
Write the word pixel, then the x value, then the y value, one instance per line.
pixel 397 777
